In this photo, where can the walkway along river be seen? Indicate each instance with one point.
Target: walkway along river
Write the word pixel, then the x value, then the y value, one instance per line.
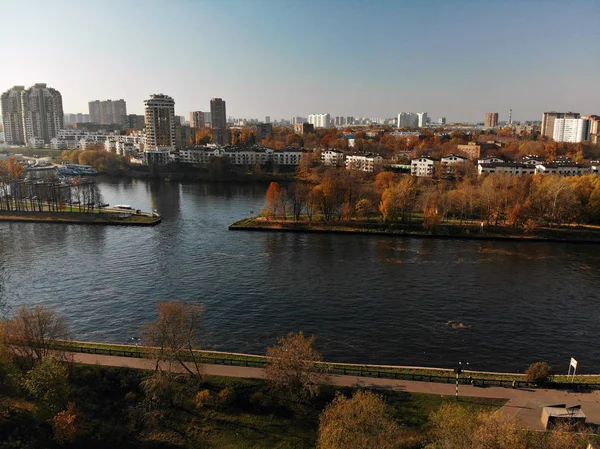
pixel 369 299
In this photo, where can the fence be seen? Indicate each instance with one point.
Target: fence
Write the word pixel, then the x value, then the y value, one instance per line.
pixel 336 369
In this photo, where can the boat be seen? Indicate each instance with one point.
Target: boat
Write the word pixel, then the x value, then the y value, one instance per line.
pixel 77 170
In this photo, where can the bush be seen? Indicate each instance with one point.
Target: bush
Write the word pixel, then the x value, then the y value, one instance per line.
pixel 227 396
pixel 257 398
pixel 203 398
pixel 538 372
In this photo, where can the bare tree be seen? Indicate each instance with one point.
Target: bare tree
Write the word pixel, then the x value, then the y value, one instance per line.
pixel 177 333
pixel 293 367
pixel 33 333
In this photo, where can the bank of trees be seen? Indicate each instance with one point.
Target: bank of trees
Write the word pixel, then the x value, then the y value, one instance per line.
pixel 96 156
pixel 19 194
pixel 496 200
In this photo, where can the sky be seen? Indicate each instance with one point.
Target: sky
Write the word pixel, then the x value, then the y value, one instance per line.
pixel 282 58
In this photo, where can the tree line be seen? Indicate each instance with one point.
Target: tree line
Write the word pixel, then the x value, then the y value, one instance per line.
pixel 496 200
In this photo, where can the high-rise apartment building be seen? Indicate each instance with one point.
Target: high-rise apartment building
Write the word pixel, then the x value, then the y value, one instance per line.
pixel 160 123
pixel 197 119
pixel 263 130
pixel 135 121
pixel 423 119
pixel 42 114
pixel 594 127
pixel 442 121
pixel 548 118
pixel 319 120
pixel 407 120
pixel 491 120
pixel 268 119
pixel 12 116
pixel 108 112
pixel 573 130
pixel 218 113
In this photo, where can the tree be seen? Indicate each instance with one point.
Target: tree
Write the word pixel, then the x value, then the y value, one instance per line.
pixel 538 372
pixel 34 331
pixel 276 200
pixel 498 430
pixel 67 425
pixel 363 422
pixel 176 333
pixel 452 426
pixel 8 371
pixel 48 383
pixel 293 369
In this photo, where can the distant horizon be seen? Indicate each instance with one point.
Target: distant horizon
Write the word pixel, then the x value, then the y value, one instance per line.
pixel 456 59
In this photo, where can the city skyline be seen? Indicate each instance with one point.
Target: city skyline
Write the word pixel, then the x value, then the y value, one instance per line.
pixel 470 59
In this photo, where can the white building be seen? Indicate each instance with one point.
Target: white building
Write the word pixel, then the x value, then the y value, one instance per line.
pixel 424 166
pixel 423 119
pixel 448 164
pixel 511 168
pixel 319 120
pixel 12 115
pixel 368 162
pixel 408 120
pixel 332 157
pixel 564 169
pixel 160 123
pixel 288 156
pixel 160 157
pixel 572 130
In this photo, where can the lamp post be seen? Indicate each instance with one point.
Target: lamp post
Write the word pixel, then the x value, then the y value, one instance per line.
pixel 458 372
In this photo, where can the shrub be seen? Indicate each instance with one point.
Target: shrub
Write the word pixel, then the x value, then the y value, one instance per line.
pixel 203 398
pixel 257 398
pixel 227 396
pixel 538 372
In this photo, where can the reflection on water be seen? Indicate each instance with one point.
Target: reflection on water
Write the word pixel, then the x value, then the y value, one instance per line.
pixel 499 305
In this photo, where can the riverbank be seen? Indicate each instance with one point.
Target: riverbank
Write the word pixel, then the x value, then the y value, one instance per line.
pixel 569 234
pixel 94 218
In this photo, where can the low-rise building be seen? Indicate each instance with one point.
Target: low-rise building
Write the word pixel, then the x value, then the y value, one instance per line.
pixel 288 156
pixel 368 162
pixel 511 168
pixel 160 157
pixel 332 157
pixel 424 166
pixel 450 163
pixel 303 128
pixel 563 169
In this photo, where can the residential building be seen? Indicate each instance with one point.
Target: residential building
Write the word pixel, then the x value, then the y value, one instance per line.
pixel 475 150
pixel 423 119
pixel 71 119
pixel 287 156
pixel 183 135
pixel 548 118
pixel 303 128
pixel 12 115
pixel 491 120
pixel 368 162
pixel 108 112
pixel 267 119
pixel 332 157
pixel 160 124
pixel 319 120
pixel 424 166
pixel 511 168
pixel 298 120
pixel 207 119
pixel 263 130
pixel 594 127
pixel 442 121
pixel 407 120
pixel 135 121
pixel 221 136
pixel 159 157
pixel 573 130
pixel 563 169
pixel 218 113
pixel 42 113
pixel 453 163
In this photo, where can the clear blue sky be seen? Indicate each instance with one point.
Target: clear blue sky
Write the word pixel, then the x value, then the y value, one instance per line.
pixel 452 58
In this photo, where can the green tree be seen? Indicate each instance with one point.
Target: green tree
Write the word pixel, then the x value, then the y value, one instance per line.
pixel 48 383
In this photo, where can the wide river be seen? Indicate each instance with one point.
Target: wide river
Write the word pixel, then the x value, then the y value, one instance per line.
pixel 404 301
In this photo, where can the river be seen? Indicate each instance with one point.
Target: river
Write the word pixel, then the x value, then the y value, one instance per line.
pixel 368 299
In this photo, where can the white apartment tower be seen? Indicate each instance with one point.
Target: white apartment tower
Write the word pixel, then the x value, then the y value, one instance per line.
pixel 42 114
pixel 12 116
pixel 319 120
pixel 423 119
pixel 408 120
pixel 573 130
pixel 160 123
pixel 108 112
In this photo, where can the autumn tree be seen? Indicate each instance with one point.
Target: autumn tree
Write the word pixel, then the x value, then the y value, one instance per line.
pixel 276 201
pixel 48 383
pixel 33 333
pixel 67 425
pixel 538 372
pixel 452 426
pixel 364 421
pixel 176 334
pixel 293 367
pixel 498 430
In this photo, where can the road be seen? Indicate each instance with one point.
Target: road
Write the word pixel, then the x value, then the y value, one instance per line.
pixel 525 404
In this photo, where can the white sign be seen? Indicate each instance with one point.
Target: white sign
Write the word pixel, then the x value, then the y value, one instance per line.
pixel 573 363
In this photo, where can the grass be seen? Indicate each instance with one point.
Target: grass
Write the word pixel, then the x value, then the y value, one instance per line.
pixel 74 216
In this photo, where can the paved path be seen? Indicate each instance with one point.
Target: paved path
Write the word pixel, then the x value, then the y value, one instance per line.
pixel 526 404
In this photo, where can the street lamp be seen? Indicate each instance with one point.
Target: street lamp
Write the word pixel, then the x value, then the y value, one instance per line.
pixel 458 372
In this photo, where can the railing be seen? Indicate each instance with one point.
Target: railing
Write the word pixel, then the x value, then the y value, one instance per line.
pixel 337 369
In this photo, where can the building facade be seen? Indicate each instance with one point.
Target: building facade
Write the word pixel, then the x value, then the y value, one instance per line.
pixel 407 120
pixel 491 120
pixel 12 116
pixel 218 113
pixel 548 118
pixel 263 130
pixel 424 166
pixel 423 119
pixel 197 119
pixel 368 162
pixel 108 112
pixel 160 123
pixel 573 130
pixel 42 113
pixel 303 128
pixel 319 120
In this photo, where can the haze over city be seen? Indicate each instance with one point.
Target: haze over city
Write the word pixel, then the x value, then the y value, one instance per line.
pixel 282 59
